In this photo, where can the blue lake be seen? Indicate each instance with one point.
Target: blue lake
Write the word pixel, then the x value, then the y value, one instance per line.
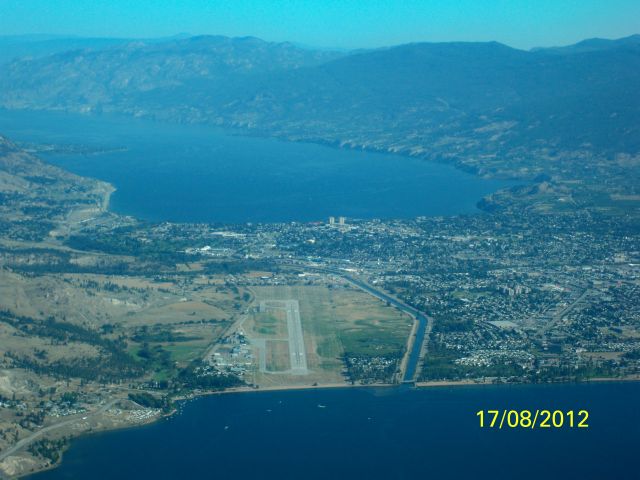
pixel 202 174
pixel 390 433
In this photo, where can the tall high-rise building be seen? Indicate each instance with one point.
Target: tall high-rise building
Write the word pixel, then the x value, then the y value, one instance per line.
pixel 341 220
pixel 332 220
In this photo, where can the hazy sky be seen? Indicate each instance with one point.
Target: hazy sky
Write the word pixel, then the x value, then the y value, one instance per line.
pixel 332 23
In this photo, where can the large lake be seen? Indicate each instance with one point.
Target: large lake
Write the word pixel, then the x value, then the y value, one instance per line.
pixel 371 434
pixel 197 173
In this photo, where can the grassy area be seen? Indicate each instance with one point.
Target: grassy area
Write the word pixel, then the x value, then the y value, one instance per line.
pixel 374 341
pixel 278 356
pixel 184 353
pixel 271 323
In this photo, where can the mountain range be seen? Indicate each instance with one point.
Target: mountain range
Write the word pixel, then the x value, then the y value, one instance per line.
pixel 489 108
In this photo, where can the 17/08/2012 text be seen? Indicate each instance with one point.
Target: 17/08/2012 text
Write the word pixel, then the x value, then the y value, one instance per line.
pixel 533 418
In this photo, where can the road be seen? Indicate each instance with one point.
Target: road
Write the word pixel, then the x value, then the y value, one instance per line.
pixel 413 353
pixel 230 329
pixel 557 317
pixel 27 440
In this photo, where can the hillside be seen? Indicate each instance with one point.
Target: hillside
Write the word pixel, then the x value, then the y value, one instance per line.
pixel 487 107
pixel 38 200
pixel 126 77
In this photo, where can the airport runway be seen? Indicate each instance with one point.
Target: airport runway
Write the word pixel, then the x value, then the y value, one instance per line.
pixel 297 354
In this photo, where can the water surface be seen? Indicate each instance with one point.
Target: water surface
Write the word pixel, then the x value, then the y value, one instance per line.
pixel 195 173
pixel 372 434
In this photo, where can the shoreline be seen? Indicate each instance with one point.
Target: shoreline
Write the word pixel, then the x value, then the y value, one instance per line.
pixel 415 386
pixel 466 383
pixel 267 133
pixel 331 386
pixel 257 133
pixel 106 198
